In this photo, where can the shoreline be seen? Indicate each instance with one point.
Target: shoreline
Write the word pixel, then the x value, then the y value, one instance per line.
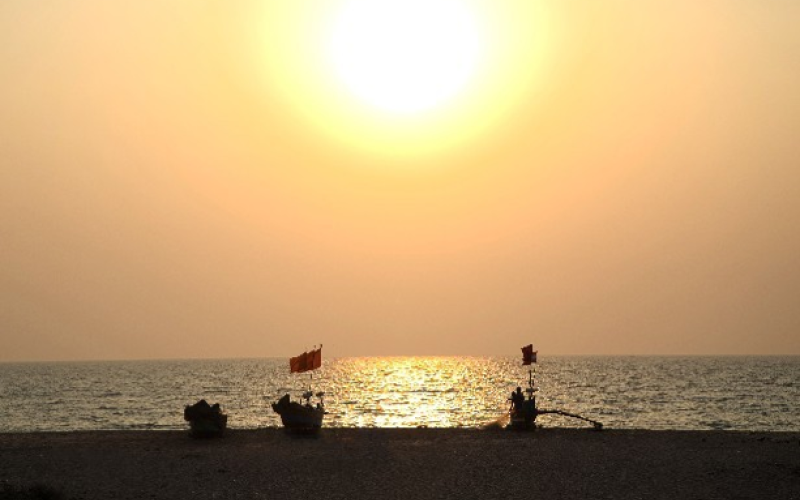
pixel 406 463
pixel 489 428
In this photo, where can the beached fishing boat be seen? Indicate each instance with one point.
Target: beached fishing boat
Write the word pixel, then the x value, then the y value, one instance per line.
pixel 205 420
pixel 299 417
pixel 523 411
pixel 303 417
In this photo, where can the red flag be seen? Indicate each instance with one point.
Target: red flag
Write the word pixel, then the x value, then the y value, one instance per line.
pixel 315 358
pixel 299 364
pixel 306 361
pixel 528 355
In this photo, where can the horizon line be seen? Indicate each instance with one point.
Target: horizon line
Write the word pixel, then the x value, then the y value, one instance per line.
pixel 254 358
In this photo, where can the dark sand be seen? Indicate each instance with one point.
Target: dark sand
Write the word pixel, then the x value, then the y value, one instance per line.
pixel 408 464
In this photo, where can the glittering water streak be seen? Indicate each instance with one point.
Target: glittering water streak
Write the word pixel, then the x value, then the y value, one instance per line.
pixel 623 392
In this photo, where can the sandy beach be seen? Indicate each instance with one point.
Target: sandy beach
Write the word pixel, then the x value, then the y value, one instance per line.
pixel 407 464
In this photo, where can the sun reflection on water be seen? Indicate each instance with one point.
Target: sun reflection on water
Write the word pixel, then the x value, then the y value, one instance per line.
pixel 413 392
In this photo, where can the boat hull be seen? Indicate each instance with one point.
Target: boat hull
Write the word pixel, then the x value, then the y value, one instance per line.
pixel 205 420
pixel 299 418
pixel 208 427
pixel 523 419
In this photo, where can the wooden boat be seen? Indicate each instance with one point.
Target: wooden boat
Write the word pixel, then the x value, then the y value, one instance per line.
pixel 205 420
pixel 304 418
pixel 297 417
pixel 523 412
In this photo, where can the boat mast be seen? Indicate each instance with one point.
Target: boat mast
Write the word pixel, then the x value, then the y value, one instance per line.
pixel 311 373
pixel 530 381
pixel 529 358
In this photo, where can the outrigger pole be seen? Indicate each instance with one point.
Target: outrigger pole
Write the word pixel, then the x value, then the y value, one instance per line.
pixel 597 425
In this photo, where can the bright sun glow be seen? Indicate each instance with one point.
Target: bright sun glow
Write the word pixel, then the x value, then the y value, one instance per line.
pixel 405 81
pixel 404 56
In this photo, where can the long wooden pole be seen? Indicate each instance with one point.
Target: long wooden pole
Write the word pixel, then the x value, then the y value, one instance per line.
pixel 597 425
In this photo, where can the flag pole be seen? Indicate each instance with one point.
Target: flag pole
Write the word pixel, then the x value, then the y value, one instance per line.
pixel 530 380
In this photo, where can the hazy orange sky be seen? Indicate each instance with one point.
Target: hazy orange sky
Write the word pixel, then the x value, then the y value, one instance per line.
pixel 184 179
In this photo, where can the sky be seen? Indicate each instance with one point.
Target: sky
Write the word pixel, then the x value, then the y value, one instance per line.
pixel 208 179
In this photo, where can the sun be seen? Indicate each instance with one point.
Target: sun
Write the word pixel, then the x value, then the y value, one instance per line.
pixel 398 84
pixel 404 57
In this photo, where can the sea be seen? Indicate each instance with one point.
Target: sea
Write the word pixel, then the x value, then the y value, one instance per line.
pixel 658 393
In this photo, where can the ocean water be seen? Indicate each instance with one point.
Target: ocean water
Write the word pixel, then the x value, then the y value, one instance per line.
pixel 736 393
